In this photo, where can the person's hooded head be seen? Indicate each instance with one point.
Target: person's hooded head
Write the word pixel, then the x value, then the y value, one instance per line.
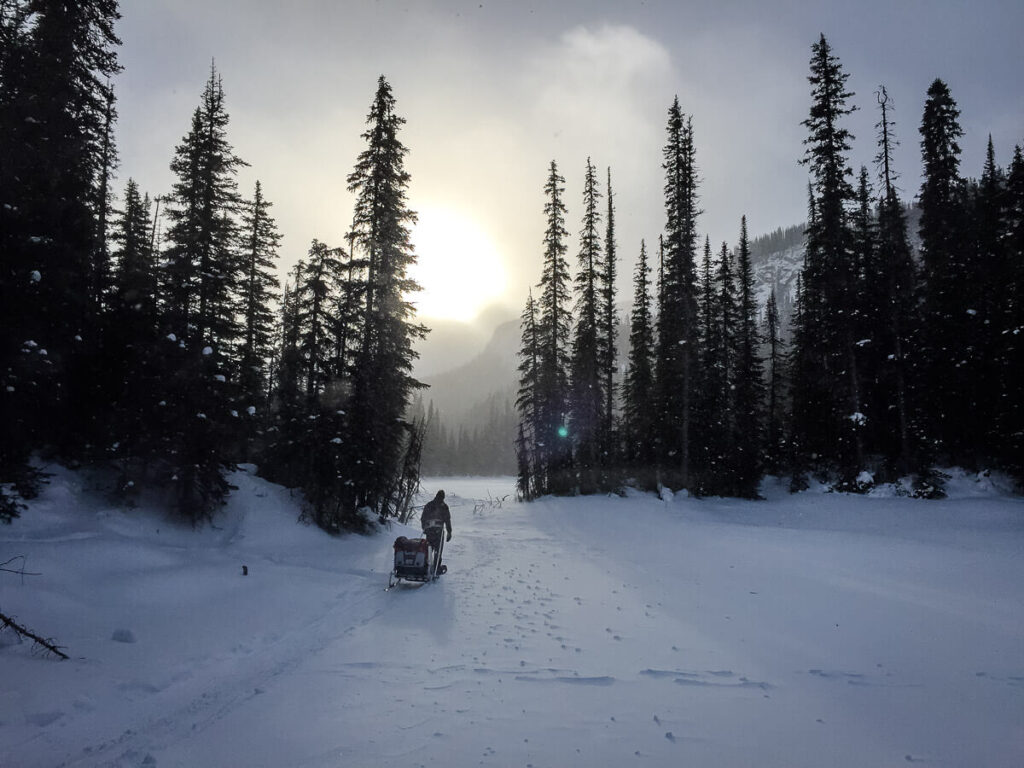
pixel 440 496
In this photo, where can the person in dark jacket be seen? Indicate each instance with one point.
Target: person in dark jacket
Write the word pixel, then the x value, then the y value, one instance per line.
pixel 434 512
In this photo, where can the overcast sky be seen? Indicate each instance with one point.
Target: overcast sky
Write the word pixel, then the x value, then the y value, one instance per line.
pixel 493 91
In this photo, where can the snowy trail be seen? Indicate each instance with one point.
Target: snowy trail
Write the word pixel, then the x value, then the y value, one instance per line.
pixel 802 631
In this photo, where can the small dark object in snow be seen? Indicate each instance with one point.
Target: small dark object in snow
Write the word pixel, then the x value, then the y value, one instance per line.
pixel 245 570
pixel 123 636
pixel 669 736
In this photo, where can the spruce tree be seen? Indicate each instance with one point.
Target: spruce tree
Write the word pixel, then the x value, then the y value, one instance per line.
pixel 56 108
pixel 829 419
pixel 775 425
pixel 283 461
pixel 748 377
pixel 608 337
pixel 706 396
pixel 865 310
pixel 677 311
pixel 132 339
pixel 528 403
pixel 719 379
pixel 896 323
pixel 258 284
pixel 382 381
pixel 316 294
pixel 586 372
pixel 638 385
pixel 943 379
pixel 554 322
pixel 201 275
pixel 993 274
pixel 1011 348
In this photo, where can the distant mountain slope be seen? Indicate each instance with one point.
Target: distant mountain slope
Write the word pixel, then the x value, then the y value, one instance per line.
pixel 778 257
pixel 492 370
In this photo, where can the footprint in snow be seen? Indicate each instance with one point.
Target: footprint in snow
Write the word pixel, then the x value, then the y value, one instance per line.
pixel 43 719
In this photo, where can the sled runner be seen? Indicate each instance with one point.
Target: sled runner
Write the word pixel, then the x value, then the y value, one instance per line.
pixel 416 560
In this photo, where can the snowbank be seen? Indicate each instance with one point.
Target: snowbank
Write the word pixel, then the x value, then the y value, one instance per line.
pixel 808 630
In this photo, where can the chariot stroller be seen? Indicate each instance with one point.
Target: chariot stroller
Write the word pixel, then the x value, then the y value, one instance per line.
pixel 419 559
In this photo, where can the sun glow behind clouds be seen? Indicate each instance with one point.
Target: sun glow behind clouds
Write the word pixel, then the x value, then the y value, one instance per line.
pixel 457 266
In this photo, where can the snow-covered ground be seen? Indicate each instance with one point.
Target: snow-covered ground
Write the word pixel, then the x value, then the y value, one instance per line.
pixel 815 630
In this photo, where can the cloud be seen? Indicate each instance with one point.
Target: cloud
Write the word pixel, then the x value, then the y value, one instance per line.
pixel 600 82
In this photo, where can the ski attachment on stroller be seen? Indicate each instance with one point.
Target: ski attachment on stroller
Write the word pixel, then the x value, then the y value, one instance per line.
pixel 416 559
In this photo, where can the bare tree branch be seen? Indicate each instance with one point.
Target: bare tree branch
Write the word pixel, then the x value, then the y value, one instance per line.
pixel 21 571
pixel 47 645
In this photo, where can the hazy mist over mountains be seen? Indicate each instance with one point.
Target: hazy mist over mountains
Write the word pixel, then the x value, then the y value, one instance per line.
pixel 468 366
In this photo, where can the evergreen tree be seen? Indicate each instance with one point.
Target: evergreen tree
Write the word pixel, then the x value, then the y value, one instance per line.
pixel 382 366
pixel 202 263
pixel 748 377
pixel 201 275
pixel 992 272
pixel 258 284
pixel 943 379
pixel 810 396
pixel 719 379
pixel 639 380
pixel 608 337
pixel 132 338
pixel 1011 348
pixel 348 321
pixel 677 312
pixel 282 460
pixel 707 393
pixel 896 322
pixel 553 324
pixel 56 107
pixel 774 443
pixel 528 403
pixel 865 309
pixel 586 372
pixel 316 293
pixel 829 418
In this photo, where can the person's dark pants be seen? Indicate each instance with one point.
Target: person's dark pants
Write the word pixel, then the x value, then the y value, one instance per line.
pixel 434 540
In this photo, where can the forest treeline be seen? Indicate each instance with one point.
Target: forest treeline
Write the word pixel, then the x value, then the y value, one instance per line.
pixel 148 336
pixel 896 362
pixel 151 338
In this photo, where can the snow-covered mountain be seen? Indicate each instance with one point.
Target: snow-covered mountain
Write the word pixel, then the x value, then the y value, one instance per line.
pixel 778 257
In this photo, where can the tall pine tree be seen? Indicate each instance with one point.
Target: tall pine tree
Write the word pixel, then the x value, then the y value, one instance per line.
pixel 608 339
pixel 258 285
pixel 677 311
pixel 554 321
pixel 748 377
pixel 201 275
pixel 382 368
pixel 586 373
pixel 56 110
pixel 638 416
pixel 897 322
pixel 944 377
pixel 828 418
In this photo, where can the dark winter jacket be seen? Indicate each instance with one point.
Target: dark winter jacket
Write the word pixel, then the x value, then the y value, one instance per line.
pixel 436 509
